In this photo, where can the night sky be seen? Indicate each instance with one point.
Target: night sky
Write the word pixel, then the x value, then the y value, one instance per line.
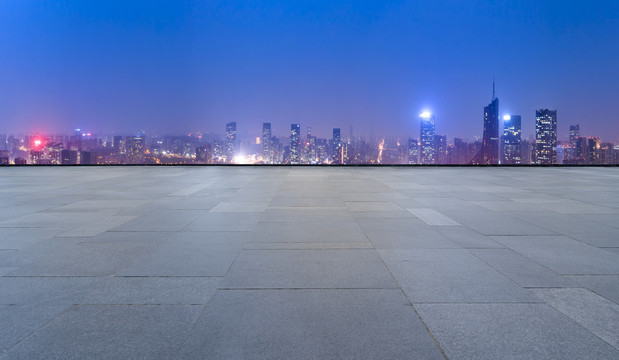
pixel 177 66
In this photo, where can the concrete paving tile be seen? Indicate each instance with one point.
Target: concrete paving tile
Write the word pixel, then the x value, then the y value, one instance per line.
pixel 109 332
pixel 319 202
pixel 593 312
pixel 522 270
pixel 492 223
pixel 510 331
pixel 309 324
pixel 372 196
pixel 294 215
pixel 404 234
pixel 308 232
pixel 307 245
pixel 433 217
pixel 589 232
pixel 308 269
pixel 402 214
pixel 372 206
pixel 149 291
pixel 29 291
pixel 464 277
pixel 86 259
pixel 563 255
pixel 604 285
pixel 223 221
pixel 161 220
pixel 51 220
pixel 467 238
pixel 19 238
pixel 101 226
pixel 20 321
pixel 190 254
pixel 241 206
pixel 7 269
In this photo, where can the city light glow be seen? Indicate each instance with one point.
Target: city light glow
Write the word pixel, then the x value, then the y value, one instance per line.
pixel 507 117
pixel 425 115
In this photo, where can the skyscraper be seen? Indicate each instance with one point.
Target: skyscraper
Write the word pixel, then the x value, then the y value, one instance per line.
pixel 295 141
pixel 267 148
pixel 413 151
pixel 546 137
pixel 427 138
pixel 512 136
pixel 311 147
pixel 337 146
pixel 574 155
pixel 230 143
pixel 440 149
pixel 490 142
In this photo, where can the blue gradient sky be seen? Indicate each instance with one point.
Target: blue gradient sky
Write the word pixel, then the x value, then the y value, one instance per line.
pixel 177 66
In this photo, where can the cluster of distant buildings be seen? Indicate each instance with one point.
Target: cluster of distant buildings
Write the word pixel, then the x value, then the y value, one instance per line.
pixel 501 143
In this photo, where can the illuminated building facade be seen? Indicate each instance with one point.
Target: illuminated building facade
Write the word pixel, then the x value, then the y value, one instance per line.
pixel 512 138
pixel 427 132
pixel 545 137
pixel 267 147
pixel 295 142
pixel 230 143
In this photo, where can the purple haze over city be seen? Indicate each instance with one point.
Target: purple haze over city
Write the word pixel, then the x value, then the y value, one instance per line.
pixel 177 66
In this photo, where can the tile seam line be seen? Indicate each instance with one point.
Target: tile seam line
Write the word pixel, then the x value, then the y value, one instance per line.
pixel 407 298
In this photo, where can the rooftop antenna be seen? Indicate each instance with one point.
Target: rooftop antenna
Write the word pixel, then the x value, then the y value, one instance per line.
pixel 493 92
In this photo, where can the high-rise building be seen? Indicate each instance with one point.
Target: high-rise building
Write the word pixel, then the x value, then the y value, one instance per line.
pixel 337 146
pixel 311 147
pixel 413 151
pixel 426 133
pixel 490 140
pixel 230 143
pixel 267 146
pixel 573 154
pixel 295 142
pixel 545 137
pixel 68 157
pixel 440 149
pixel 512 138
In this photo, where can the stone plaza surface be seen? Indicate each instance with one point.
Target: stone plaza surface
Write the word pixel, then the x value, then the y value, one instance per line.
pixel 309 263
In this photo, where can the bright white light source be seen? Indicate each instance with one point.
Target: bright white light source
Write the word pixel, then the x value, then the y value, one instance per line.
pixel 425 115
pixel 507 118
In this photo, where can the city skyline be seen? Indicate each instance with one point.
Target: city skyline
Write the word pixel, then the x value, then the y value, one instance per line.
pixel 176 67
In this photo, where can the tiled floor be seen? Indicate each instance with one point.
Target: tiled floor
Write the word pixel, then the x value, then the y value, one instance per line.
pixel 309 263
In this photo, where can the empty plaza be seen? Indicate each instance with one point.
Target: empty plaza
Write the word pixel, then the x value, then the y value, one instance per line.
pixel 309 263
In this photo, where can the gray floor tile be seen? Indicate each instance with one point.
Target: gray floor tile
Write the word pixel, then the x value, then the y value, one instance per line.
pixel 593 312
pixel 467 238
pixel 161 220
pixel 149 291
pixel 522 270
pixel 464 278
pixel 433 217
pixel 563 255
pixel 310 324
pixel 510 331
pixel 109 332
pixel 308 269
pixel 241 206
pixel 404 234
pixel 604 285
pixel 222 221
pixel 190 254
pixel 308 232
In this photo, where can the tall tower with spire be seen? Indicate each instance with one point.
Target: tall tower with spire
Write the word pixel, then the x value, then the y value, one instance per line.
pixel 489 153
